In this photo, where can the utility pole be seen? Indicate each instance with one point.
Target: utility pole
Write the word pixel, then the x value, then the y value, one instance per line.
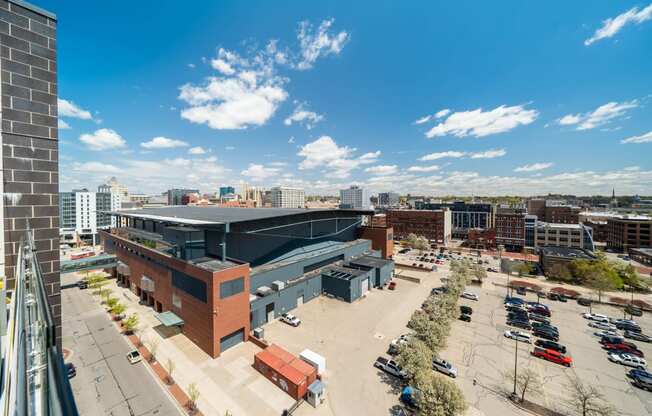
pixel 515 366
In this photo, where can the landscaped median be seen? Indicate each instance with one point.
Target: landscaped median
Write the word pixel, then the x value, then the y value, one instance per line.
pixel 128 326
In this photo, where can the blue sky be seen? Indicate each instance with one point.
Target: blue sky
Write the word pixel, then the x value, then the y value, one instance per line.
pixel 433 98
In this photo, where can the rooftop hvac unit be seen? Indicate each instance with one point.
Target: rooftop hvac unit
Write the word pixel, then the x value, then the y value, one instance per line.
pixel 277 285
pixel 263 291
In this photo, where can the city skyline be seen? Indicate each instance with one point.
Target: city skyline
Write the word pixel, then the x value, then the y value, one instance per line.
pixel 327 97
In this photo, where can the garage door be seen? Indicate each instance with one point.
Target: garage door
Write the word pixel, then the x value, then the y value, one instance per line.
pixel 364 286
pixel 231 340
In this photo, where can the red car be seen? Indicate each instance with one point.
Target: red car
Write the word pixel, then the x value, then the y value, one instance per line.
pixel 624 347
pixel 552 355
pixel 392 285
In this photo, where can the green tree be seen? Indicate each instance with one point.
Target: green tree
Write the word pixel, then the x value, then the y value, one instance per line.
pixel 111 302
pixel 414 356
pixel 602 278
pixel 523 268
pixel 560 272
pixel 130 324
pixel 118 309
pixel 438 395
pixel 479 273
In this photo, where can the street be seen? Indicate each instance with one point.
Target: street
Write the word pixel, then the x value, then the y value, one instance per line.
pixel 105 382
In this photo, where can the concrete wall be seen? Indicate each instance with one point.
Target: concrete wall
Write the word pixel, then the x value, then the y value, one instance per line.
pixel 286 300
pixel 30 178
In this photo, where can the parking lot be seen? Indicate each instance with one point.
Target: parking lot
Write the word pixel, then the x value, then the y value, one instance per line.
pixel 481 352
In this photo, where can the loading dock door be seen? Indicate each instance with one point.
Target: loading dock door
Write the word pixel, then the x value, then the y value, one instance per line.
pixel 231 340
pixel 300 300
pixel 364 286
pixel 269 311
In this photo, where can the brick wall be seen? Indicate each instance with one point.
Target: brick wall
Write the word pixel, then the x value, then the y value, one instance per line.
pixel 29 139
pixel 382 239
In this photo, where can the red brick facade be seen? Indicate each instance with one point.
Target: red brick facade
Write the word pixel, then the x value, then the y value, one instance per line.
pixel 382 238
pixel 430 224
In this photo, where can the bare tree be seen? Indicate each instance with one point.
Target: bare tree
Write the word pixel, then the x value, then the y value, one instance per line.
pixel 170 368
pixel 193 394
pixel 153 347
pixel 587 400
pixel 527 381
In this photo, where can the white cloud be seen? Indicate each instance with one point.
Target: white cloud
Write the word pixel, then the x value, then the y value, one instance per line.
pixel 198 150
pixel 533 167
pixel 612 26
pixel 438 114
pixel 423 119
pixel 442 155
pixel 481 123
pixel 291 140
pixel 489 154
pixel 423 168
pixel 191 66
pixel 303 116
pixel 645 138
pixel 324 152
pixel 382 170
pixel 632 168
pixel 600 116
pixel 95 167
pixel 230 147
pixel 163 143
pixel 103 139
pixel 259 172
pixel 442 113
pixel 67 108
pixel 318 44
pixel 62 125
pixel 222 66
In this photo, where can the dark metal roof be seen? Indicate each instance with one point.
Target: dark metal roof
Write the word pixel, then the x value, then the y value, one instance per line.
pixel 370 261
pixel 567 252
pixel 219 215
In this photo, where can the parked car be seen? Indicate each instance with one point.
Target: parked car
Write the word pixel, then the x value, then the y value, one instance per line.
pixel 521 291
pixel 464 317
pixel 82 284
pixel 552 355
pixel 628 327
pixel 550 345
pixel 466 310
pixel 392 285
pixel 444 367
pixel 134 357
pixel 518 314
pixel 602 325
pixel 395 344
pixel 518 336
pixel 519 324
pixel 470 295
pixel 549 335
pixel 390 367
pixel 596 317
pixel 71 370
pixel 633 310
pixel 607 333
pixel 584 301
pixel 491 269
pixel 539 318
pixel 628 348
pixel 627 360
pixel 545 327
pixel 539 311
pixel 638 336
pixel 557 297
pixel 643 381
pixel 616 339
pixel 623 321
pixel 290 319
pixel 513 299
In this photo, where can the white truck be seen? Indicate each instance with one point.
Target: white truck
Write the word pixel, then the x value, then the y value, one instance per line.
pixel 390 366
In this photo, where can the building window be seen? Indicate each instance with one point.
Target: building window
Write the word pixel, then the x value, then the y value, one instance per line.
pixel 232 287
pixel 176 300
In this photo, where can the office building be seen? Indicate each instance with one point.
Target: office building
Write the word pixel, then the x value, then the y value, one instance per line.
pixel 551 258
pixel 226 190
pixel 435 225
pixel 510 228
pixel 287 197
pixel 554 211
pixel 30 170
pixel 629 231
pixel 112 186
pixel 83 213
pixel 175 196
pixel 465 215
pixel 218 273
pixel 564 235
pixel 389 200
pixel 354 198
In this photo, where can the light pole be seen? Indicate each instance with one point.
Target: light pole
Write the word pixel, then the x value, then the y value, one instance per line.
pixel 515 366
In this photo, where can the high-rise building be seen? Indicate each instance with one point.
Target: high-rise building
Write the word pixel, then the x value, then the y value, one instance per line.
pixel 389 199
pixel 83 213
pixel 287 197
pixel 510 228
pixel 29 157
pixel 226 190
pixel 175 196
pixel 353 198
pixel 112 186
pixel 253 194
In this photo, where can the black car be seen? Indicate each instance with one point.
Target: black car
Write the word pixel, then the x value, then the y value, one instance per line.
pixel 71 370
pixel 611 340
pixel 82 284
pixel 633 310
pixel 638 336
pixel 539 318
pixel 628 327
pixel 551 345
pixel 641 378
pixel 545 327
pixel 545 334
pixel 521 291
pixel 520 324
pixel 464 317
pixel 516 309
pixel 467 310
pixel 584 301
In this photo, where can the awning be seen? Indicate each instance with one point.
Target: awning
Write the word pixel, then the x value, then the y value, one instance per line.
pixel 123 269
pixel 169 319
pixel 147 284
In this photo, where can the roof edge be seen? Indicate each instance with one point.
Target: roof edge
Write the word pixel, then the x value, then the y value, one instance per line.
pixel 34 8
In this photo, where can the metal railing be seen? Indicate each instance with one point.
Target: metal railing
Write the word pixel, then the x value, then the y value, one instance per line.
pixel 33 378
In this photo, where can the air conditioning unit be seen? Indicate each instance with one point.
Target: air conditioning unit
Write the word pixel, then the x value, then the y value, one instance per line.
pixel 263 291
pixel 277 285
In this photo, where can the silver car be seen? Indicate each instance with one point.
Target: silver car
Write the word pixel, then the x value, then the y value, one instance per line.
pixel 444 367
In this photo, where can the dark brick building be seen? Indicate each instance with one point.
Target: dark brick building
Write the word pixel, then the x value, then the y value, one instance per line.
pixel 629 231
pixel 510 228
pixel 435 225
pixel 30 178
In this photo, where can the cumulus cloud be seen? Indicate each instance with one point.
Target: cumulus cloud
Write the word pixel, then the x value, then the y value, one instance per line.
pixel 382 170
pixel 533 167
pixel 431 168
pixel 95 167
pixel 103 139
pixel 442 113
pixel 613 25
pixel 324 152
pixel 258 172
pixel 197 150
pixel 479 123
pixel 438 114
pixel 318 43
pixel 442 155
pixel 489 154
pixel 67 108
pixel 163 143
pixel 303 116
pixel 62 125
pixel 645 138
pixel 598 117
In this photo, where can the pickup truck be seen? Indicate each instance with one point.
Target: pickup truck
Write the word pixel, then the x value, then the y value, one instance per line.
pixel 390 366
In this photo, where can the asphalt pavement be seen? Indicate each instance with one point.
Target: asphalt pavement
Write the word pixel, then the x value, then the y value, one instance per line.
pixel 106 383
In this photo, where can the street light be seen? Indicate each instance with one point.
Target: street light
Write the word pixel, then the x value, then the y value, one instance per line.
pixel 515 366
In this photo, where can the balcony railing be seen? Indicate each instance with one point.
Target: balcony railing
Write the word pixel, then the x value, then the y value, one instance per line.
pixel 33 379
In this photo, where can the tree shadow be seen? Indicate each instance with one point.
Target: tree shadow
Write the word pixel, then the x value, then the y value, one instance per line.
pixel 395 384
